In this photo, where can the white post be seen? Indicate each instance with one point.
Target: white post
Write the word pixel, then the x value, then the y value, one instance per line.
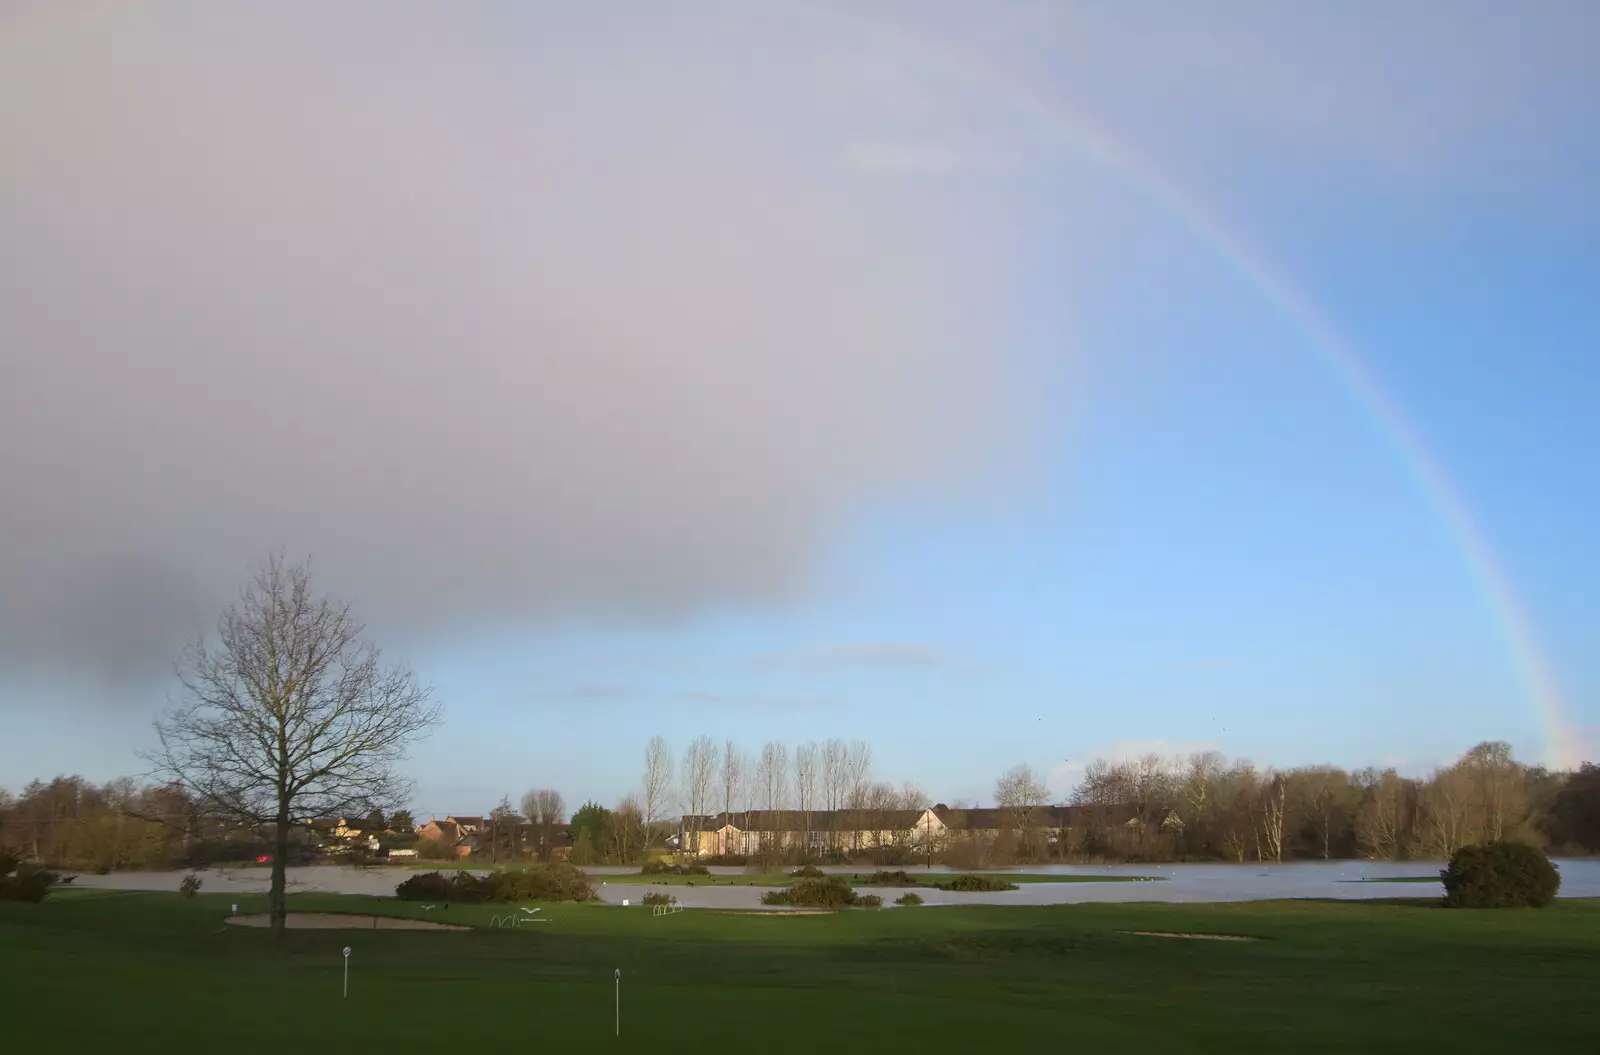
pixel 347 972
pixel 619 1001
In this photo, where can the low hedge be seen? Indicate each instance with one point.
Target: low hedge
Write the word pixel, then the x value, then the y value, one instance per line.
pixel 908 900
pixel 828 892
pixel 662 868
pixel 975 884
pixel 551 882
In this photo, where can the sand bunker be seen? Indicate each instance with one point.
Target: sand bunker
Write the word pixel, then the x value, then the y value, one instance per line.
pixel 338 921
pixel 1191 937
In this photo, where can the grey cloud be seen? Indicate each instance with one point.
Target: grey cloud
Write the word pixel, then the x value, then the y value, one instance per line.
pixel 500 315
pixel 842 657
pixel 923 159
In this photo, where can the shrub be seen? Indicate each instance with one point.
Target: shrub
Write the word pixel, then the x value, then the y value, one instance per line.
pixel 828 892
pixel 552 882
pixel 909 900
pixel 1500 875
pixel 190 885
pixel 895 878
pixel 26 883
pixel 436 850
pixel 662 868
pixel 656 897
pixel 975 884
pixel 425 886
pixel 556 881
pixel 8 863
pixel 807 872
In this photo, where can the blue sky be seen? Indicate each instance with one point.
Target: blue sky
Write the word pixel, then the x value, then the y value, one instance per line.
pixel 979 453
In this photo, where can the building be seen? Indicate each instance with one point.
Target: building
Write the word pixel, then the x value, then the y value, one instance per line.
pixel 930 830
pixel 447 831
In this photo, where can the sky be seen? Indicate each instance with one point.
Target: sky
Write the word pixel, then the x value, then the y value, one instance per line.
pixel 1005 383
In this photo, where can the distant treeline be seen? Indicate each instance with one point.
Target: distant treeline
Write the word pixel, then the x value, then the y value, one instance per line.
pixel 1198 807
pixel 1204 807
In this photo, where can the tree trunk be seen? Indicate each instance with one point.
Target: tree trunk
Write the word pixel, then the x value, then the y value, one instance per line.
pixel 277 898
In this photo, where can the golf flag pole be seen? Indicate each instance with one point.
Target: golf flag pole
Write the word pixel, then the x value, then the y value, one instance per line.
pixel 347 972
pixel 619 1001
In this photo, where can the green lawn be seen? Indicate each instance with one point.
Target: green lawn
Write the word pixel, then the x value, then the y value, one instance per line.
pixel 856 879
pixel 152 972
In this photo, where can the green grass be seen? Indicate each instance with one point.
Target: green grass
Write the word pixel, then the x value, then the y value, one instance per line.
pixel 153 972
pixel 780 879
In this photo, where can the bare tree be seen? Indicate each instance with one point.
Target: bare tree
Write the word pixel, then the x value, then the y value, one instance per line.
pixel 1383 818
pixel 834 775
pixel 1497 784
pixel 774 773
pixel 1021 795
pixel 505 832
pixel 858 765
pixel 696 774
pixel 1322 794
pixel 628 829
pixel 290 715
pixel 1274 812
pixel 546 811
pixel 805 787
pixel 657 780
pixel 732 775
pixel 1445 809
pixel 771 777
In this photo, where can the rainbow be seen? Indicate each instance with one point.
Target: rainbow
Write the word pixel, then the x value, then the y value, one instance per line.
pixel 1337 355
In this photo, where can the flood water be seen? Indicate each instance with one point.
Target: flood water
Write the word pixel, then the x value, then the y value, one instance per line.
pixel 1177 883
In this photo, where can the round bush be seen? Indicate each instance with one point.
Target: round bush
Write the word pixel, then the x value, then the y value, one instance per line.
pixel 807 872
pixel 895 878
pixel 832 892
pixel 190 885
pixel 908 900
pixel 1500 875
pixel 868 901
pixel 655 897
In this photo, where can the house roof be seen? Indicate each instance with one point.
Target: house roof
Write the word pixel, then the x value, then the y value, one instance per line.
pixel 467 822
pixel 447 829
